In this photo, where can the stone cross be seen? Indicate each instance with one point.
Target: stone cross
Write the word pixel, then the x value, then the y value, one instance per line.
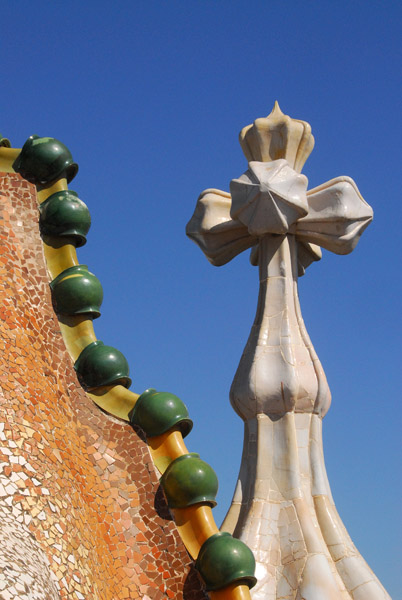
pixel 282 506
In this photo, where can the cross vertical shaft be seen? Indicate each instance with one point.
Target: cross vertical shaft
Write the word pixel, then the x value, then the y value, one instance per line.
pixel 278 370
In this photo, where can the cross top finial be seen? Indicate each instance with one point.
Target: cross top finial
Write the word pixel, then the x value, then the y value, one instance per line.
pixel 277 136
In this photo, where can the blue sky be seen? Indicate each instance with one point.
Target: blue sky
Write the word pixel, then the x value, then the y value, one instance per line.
pixel 150 97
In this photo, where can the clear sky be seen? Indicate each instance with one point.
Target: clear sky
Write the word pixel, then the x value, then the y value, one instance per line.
pixel 150 97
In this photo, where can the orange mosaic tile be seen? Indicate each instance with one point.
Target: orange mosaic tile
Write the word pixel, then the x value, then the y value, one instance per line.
pixel 82 516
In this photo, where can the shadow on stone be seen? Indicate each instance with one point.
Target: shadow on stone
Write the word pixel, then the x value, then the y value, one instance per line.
pixel 192 586
pixel 161 506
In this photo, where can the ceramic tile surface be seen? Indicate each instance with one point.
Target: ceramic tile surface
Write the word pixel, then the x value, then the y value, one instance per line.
pixel 80 511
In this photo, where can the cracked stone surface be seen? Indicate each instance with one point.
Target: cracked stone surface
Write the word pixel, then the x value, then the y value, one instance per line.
pixel 282 506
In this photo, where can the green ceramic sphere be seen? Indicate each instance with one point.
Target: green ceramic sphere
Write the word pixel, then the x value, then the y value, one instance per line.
pixel 223 560
pixel 76 291
pixel 157 412
pixel 63 214
pixel 45 160
pixel 4 142
pixel 189 480
pixel 99 365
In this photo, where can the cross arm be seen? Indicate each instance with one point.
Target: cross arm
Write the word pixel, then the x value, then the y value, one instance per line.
pixel 271 198
pixel 337 216
pixel 211 227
